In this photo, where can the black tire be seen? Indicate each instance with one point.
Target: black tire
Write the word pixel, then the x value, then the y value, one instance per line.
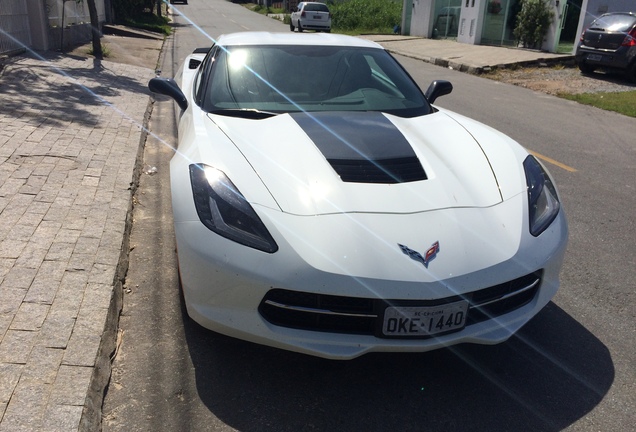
pixel 631 72
pixel 585 68
pixel 300 28
pixel 291 26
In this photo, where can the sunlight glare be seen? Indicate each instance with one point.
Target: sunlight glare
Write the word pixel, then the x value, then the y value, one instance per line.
pixel 238 59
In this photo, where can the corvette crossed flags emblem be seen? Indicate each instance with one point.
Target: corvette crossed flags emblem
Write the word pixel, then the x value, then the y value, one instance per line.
pixel 430 254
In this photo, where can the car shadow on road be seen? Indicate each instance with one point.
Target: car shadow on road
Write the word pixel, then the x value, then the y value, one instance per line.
pixel 548 376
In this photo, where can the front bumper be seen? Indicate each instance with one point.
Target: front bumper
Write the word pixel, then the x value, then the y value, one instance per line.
pixel 224 285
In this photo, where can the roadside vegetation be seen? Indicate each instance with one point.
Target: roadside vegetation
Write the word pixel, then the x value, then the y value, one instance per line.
pixel 366 16
pixel 264 10
pixel 148 15
pixel 149 21
pixel 620 102
pixel 609 90
pixel 353 17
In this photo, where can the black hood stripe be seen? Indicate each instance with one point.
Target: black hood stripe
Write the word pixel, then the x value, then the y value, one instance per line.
pixel 363 147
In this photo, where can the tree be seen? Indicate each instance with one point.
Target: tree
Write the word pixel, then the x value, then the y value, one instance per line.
pixel 97 43
pixel 533 22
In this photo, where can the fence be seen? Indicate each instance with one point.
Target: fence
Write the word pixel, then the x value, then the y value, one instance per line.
pixel 47 24
pixel 15 33
pixel 63 13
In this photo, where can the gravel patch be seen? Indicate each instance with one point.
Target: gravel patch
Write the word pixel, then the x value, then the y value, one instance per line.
pixel 562 79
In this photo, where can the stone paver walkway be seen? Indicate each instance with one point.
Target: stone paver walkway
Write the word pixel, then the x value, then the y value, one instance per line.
pixel 70 134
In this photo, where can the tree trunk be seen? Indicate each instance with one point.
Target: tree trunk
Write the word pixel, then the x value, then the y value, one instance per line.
pixel 159 3
pixel 97 44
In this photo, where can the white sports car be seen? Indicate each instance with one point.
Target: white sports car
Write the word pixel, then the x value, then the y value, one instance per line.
pixel 323 205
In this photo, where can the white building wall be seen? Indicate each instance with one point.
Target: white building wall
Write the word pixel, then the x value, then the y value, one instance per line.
pixel 471 22
pixel 472 18
pixel 421 17
pixel 554 32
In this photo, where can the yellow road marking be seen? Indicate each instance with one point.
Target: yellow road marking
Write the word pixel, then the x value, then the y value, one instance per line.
pixel 553 162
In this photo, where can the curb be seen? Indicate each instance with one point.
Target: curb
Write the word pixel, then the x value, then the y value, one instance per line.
pixel 478 70
pixel 91 419
pixel 118 30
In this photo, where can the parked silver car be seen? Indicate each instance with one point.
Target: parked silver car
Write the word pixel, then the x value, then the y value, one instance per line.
pixel 609 43
pixel 311 16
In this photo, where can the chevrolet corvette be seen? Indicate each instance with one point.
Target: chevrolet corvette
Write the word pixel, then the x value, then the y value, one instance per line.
pixel 324 204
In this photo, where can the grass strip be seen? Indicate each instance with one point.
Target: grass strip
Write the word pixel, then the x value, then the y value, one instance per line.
pixel 621 102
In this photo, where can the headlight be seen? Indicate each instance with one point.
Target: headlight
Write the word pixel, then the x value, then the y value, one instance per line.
pixel 543 201
pixel 224 210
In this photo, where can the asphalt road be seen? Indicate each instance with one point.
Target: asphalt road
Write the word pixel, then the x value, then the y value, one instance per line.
pixel 573 367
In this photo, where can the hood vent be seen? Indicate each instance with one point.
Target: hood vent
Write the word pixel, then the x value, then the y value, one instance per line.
pixel 362 147
pixel 399 170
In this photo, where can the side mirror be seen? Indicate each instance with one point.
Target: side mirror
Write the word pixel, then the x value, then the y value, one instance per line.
pixel 438 88
pixel 168 87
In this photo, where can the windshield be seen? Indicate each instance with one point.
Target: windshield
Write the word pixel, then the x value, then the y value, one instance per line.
pixel 614 23
pixel 281 79
pixel 315 7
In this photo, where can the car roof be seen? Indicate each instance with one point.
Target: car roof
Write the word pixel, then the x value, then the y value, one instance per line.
pixel 287 38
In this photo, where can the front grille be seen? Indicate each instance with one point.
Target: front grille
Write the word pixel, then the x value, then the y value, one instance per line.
pixel 353 315
pixel 389 171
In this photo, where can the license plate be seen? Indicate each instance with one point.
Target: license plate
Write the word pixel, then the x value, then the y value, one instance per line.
pixel 317 17
pixel 595 57
pixel 424 320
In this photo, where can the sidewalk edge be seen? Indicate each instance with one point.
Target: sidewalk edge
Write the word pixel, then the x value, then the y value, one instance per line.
pixel 91 419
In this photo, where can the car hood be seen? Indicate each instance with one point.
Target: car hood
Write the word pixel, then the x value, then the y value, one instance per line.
pixel 317 164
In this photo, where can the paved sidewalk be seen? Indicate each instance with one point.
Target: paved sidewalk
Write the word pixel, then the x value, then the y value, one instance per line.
pixel 70 137
pixel 70 141
pixel 462 57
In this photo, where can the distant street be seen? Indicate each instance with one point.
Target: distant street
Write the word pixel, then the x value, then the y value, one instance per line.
pixel 573 367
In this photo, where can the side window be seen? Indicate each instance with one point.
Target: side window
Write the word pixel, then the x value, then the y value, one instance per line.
pixel 202 77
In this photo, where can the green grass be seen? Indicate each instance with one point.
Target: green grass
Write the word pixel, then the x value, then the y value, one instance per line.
pixel 355 17
pixel 565 48
pixel 621 102
pixel 151 22
pixel 105 50
pixel 265 10
pixel 365 16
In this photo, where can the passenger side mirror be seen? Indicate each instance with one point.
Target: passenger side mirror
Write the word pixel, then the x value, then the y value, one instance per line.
pixel 168 87
pixel 438 88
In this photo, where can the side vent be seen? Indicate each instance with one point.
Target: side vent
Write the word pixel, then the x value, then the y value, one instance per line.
pixel 194 63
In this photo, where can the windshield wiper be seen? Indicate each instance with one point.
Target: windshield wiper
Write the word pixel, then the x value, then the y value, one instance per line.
pixel 248 113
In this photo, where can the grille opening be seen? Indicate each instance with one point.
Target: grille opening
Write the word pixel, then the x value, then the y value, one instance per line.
pixel 353 315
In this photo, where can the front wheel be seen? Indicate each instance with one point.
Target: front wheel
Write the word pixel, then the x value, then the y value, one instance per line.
pixel 291 27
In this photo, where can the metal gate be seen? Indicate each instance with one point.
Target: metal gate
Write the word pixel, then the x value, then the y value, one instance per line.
pixel 15 34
